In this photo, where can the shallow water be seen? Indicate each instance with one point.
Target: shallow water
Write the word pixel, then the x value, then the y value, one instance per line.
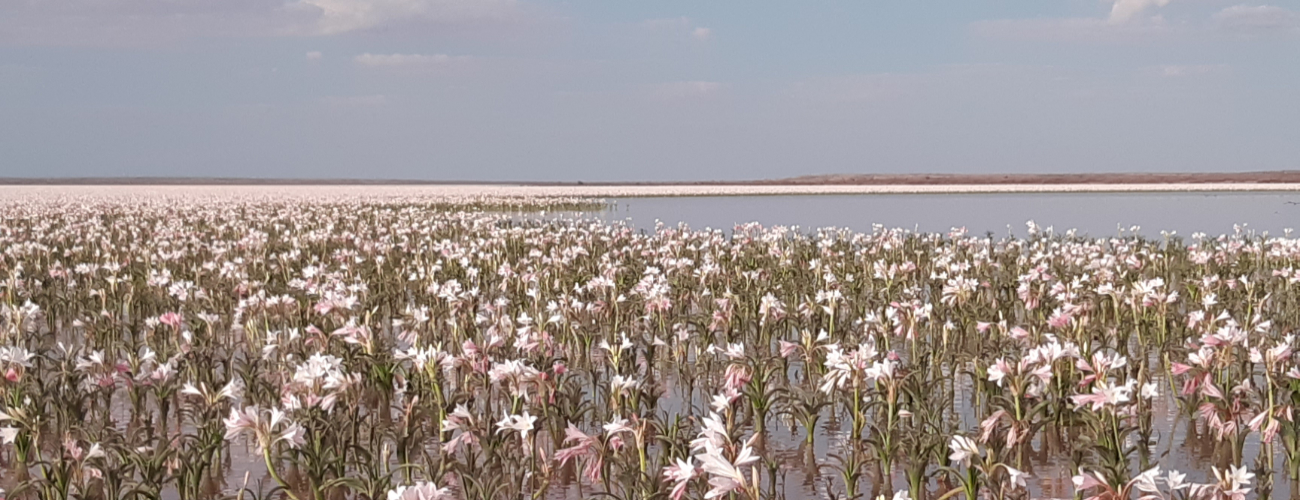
pixel 1180 445
pixel 804 473
pixel 1096 214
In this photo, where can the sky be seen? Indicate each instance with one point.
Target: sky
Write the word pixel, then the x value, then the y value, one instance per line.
pixel 586 90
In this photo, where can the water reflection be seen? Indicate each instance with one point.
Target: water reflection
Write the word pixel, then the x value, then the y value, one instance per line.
pixel 1097 214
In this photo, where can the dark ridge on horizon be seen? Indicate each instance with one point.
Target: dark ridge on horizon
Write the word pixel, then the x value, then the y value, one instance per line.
pixel 1277 176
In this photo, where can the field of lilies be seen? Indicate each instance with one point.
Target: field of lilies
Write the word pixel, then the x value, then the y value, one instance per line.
pixel 408 348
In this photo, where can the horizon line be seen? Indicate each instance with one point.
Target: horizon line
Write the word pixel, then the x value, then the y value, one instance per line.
pixel 1256 177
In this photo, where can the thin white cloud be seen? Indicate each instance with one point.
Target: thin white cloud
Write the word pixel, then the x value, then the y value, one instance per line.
pixel 143 22
pixel 342 16
pixel 702 33
pixel 404 60
pixel 1125 22
pixel 1257 19
pixel 1124 11
pixel 314 55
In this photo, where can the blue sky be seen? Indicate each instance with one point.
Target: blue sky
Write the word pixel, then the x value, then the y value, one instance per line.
pixel 663 90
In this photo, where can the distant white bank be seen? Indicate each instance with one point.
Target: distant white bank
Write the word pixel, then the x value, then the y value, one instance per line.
pixel 614 191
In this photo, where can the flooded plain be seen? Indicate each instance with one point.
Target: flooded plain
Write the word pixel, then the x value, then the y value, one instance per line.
pixel 385 340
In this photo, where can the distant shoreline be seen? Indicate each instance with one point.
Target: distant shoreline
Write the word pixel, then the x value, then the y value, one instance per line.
pixel 617 191
pixel 1178 181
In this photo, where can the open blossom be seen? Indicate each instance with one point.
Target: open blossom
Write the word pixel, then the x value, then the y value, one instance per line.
pixel 1146 481
pixel 844 369
pixel 582 445
pixel 733 351
pixel 1274 355
pixel 1084 480
pixel 14 361
pixel 1099 365
pixel 620 385
pixel 73 451
pixel 616 349
pixel 680 474
pixel 725 475
pixel 317 382
pixel 1016 477
pixel 423 359
pixel 998 371
pixel 1104 394
pixel 230 391
pixel 963 449
pixel 1232 483
pixel 722 401
pixel 1235 476
pixel 1176 480
pixel 712 435
pixel 958 290
pixel 171 319
pixel 1229 334
pixel 736 376
pixel 520 423
pixel 15 356
pixel 268 426
pixel 616 426
pixel 1062 316
pixel 1150 390
pixel 101 373
pixel 516 374
pixel 463 423
pixel 881 370
pixel 419 491
pixel 771 308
